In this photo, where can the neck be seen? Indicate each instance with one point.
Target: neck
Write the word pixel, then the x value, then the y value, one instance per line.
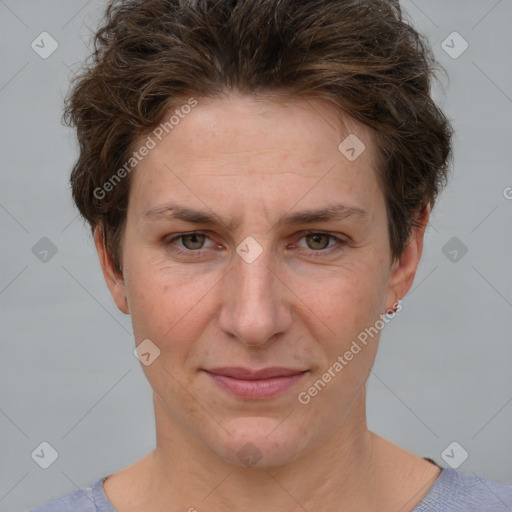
pixel 338 471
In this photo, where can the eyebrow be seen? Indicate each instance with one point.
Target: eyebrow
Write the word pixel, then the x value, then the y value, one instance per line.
pixel 174 211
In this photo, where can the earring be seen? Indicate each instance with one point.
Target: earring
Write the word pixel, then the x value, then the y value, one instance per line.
pixel 392 312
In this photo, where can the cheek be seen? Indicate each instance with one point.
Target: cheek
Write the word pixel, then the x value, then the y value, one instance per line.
pixel 344 300
pixel 165 302
pixel 350 309
pixel 349 304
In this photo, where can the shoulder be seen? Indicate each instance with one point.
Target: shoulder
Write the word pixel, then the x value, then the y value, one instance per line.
pixel 87 499
pixel 456 492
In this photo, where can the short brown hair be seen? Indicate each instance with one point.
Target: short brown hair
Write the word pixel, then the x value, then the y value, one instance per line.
pixel 361 55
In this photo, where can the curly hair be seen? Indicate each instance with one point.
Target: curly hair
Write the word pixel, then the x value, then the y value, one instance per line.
pixel 361 55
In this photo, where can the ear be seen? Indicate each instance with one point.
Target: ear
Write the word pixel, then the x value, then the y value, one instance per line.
pixel 113 278
pixel 404 269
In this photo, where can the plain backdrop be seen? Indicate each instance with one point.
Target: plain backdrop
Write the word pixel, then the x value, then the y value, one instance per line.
pixel 68 376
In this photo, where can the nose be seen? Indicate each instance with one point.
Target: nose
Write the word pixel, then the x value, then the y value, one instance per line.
pixel 256 305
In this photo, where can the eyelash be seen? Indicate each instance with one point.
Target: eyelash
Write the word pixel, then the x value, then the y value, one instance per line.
pixel 329 250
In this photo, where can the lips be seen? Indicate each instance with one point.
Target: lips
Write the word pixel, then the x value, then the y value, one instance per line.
pixel 247 374
pixel 255 384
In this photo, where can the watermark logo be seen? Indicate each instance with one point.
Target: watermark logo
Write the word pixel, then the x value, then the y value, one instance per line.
pixel 455 249
pixel 146 352
pixel 352 147
pixel 249 249
pixel 454 455
pixel 454 45
pixel 45 455
pixel 44 45
pixel 44 250
pixel 249 455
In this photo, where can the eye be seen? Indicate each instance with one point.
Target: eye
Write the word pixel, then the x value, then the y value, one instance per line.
pixel 193 241
pixel 190 243
pixel 193 244
pixel 319 242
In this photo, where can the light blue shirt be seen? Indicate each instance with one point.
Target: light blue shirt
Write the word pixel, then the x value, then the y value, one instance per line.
pixel 451 492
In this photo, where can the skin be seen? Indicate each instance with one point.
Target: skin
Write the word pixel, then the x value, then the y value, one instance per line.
pixel 297 305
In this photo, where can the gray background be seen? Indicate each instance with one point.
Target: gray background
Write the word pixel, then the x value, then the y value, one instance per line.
pixel 67 372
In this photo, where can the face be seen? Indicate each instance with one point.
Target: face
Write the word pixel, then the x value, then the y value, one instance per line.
pixel 253 299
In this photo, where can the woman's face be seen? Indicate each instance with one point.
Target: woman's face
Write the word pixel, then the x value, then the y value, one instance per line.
pixel 251 289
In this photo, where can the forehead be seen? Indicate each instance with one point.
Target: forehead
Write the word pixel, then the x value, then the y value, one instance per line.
pixel 254 145
pixel 236 121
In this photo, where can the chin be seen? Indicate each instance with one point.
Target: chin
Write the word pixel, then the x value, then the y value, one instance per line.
pixel 260 442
